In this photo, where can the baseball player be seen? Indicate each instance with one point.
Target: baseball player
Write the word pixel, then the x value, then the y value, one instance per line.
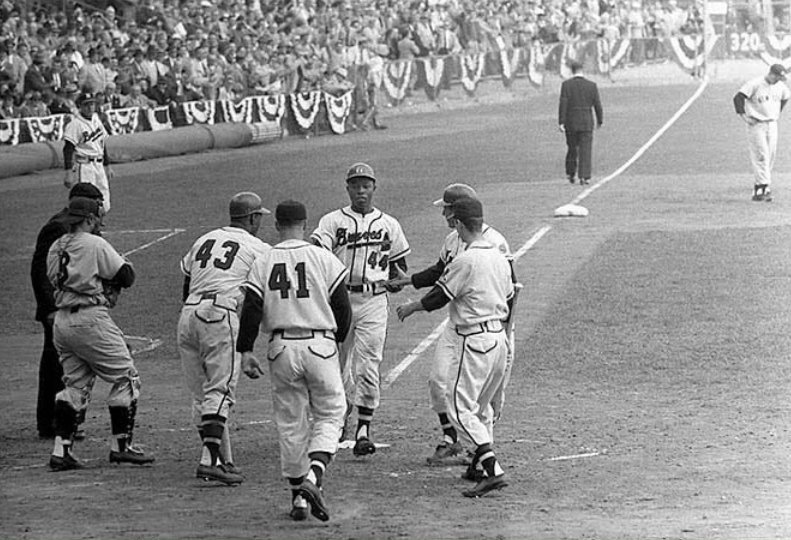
pixel 84 148
pixel 87 274
pixel 478 286
pixel 214 270
pixel 50 373
pixel 759 102
pixel 450 448
pixel 298 292
pixel 372 245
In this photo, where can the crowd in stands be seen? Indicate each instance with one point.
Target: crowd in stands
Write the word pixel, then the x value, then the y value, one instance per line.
pixel 169 51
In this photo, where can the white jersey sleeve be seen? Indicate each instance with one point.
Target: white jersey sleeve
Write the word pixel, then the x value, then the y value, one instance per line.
pixel 453 245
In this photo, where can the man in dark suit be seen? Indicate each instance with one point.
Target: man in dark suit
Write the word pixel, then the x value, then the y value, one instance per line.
pixel 579 97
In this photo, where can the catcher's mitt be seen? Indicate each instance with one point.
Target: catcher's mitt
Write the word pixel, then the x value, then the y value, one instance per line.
pixel 111 291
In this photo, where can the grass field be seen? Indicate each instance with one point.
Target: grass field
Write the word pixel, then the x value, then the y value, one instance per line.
pixel 650 394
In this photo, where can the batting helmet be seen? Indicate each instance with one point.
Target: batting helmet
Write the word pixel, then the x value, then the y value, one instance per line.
pixel 244 204
pixel 360 170
pixel 454 192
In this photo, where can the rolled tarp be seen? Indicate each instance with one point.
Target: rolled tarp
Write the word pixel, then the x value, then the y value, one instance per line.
pixel 32 157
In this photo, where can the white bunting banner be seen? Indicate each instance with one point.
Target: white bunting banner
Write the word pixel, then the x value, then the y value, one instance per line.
pixel 305 106
pixel 199 112
pixel 46 128
pixel 9 131
pixel 123 121
pixel 338 110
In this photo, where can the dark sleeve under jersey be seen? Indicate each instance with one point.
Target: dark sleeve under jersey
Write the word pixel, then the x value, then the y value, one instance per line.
pixel 434 299
pixel 342 310
pixel 738 102
pixel 429 276
pixel 400 263
pixel 125 277
pixel 185 289
pixel 68 155
pixel 249 322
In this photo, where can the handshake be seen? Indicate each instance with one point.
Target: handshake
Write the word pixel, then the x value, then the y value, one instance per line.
pixel 394 285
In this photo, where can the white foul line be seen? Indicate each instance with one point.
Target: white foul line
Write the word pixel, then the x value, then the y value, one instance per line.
pixel 426 343
pixel 574 456
pixel 172 232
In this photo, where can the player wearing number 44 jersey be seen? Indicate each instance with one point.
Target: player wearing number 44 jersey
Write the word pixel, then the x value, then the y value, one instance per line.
pixel 372 245
pixel 298 292
pixel 215 268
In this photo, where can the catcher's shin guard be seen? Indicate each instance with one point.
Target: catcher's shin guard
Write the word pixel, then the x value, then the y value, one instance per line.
pixel 65 420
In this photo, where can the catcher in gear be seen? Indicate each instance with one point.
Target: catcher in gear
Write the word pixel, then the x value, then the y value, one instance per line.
pixel 85 155
pixel 88 341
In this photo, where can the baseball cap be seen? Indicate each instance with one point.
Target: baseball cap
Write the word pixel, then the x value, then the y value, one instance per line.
pixel 466 208
pixel 244 204
pixel 454 192
pixel 81 208
pixel 779 70
pixel 360 170
pixel 84 189
pixel 290 211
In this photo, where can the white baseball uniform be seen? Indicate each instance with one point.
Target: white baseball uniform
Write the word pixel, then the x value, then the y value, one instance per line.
pixel 217 265
pixel 89 137
pixel 366 244
pixel 763 107
pixel 296 279
pixel 478 282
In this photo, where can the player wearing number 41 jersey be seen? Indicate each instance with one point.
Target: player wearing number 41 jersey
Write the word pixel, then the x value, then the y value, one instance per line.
pixel 215 268
pixel 371 244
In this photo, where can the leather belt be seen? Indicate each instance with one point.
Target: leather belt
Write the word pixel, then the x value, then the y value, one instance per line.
pixel 75 309
pixel 493 326
pixel 300 333
pixel 366 287
pixel 86 159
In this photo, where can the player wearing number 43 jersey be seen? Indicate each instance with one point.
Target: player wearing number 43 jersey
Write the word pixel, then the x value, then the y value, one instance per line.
pixel 297 291
pixel 372 245
pixel 215 268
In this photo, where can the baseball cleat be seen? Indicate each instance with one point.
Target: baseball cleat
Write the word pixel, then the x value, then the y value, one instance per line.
pixel 220 473
pixel 299 509
pixel 131 455
pixel 312 493
pixel 66 463
pixel 473 474
pixel 485 486
pixel 570 179
pixel 447 454
pixel 767 196
pixel 364 446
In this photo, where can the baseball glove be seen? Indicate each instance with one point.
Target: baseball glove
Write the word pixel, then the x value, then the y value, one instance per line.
pixel 111 291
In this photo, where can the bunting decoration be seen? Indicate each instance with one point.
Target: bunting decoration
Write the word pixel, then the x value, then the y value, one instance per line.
pixel 338 110
pixel 433 68
pixel 159 118
pixel 305 106
pixel 270 108
pixel 396 80
pixel 123 121
pixel 509 64
pixel 776 51
pixel 619 51
pixel 198 112
pixel 688 51
pixel 46 128
pixel 9 131
pixel 471 71
pixel 236 112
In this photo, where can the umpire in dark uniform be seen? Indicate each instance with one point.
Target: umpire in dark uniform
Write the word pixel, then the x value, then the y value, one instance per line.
pixel 579 98
pixel 50 372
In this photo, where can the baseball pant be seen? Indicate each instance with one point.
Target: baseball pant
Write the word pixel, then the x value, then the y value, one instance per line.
pixel 91 345
pixel 308 399
pixel 762 142
pixel 50 382
pixel 439 376
pixel 93 173
pixel 361 352
pixel 206 338
pixel 579 151
pixel 479 372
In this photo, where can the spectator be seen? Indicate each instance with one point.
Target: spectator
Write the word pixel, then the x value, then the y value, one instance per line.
pixel 92 77
pixel 136 98
pixel 8 109
pixel 35 78
pixel 112 99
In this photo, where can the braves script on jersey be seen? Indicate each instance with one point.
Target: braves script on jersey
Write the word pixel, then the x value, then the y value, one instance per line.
pixel 366 244
pixel 296 280
pixel 220 260
pixel 87 136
